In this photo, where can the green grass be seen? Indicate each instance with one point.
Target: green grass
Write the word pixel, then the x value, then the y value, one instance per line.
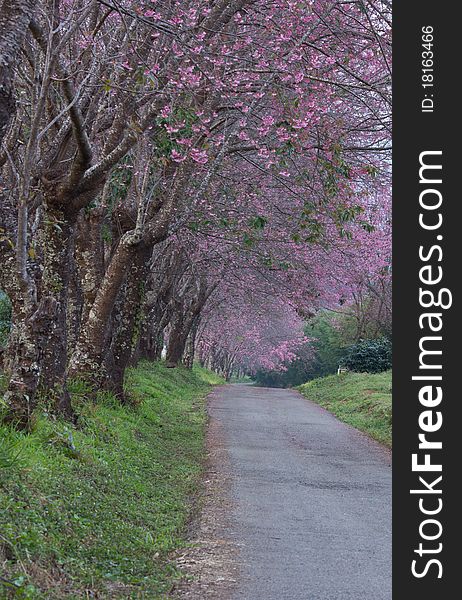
pixel 362 400
pixel 95 511
pixel 243 379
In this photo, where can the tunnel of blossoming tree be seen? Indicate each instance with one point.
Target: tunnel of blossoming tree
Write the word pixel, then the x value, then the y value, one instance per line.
pixel 190 181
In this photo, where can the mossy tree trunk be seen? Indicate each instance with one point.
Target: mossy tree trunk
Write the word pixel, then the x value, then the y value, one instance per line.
pixel 89 255
pixel 128 319
pixel 58 246
pixel 32 324
pixel 87 359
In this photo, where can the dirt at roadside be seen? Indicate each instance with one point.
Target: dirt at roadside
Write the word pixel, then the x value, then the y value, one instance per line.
pixel 210 566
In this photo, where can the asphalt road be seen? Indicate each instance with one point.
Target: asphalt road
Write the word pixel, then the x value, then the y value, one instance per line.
pixel 311 499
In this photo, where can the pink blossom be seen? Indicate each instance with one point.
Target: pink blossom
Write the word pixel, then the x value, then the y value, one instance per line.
pixel 199 156
pixel 177 157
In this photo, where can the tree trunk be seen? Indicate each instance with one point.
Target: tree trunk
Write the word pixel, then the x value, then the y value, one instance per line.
pixel 123 342
pixel 177 339
pixel 188 359
pixel 15 16
pixel 185 315
pixel 151 341
pixel 37 351
pixel 31 330
pixel 74 308
pixel 89 255
pixel 87 358
pixel 152 336
pixel 58 249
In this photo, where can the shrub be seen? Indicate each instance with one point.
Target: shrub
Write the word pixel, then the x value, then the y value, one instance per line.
pixel 369 356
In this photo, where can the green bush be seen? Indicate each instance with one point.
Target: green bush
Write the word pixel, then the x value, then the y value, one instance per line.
pixel 369 356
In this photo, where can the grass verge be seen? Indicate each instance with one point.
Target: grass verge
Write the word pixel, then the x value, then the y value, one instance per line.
pixel 362 400
pixel 95 511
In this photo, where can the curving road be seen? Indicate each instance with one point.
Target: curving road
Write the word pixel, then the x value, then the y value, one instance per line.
pixel 311 499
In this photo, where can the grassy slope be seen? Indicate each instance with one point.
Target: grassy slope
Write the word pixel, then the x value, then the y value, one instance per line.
pixel 105 516
pixel 359 399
